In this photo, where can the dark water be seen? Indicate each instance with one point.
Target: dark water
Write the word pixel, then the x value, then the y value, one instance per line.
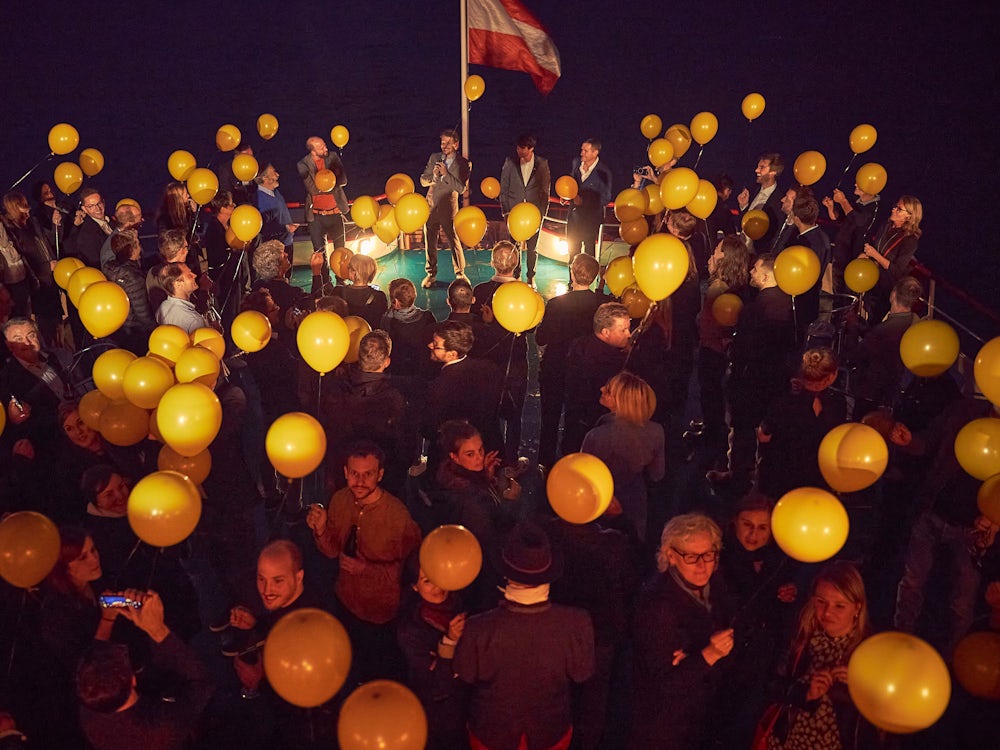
pixel 141 80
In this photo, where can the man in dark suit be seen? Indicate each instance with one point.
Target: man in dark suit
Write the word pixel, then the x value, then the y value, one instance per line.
pixel 447 176
pixel 466 388
pixel 767 199
pixel 525 178
pixel 90 229
pixel 587 212
pixel 325 209
pixel 805 211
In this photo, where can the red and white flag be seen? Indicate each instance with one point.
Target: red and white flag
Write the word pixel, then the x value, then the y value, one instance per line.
pixel 504 34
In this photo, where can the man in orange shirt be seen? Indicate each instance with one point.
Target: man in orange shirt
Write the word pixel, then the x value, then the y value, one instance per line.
pixel 325 210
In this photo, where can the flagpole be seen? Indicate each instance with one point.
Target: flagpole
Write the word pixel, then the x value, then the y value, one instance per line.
pixel 465 74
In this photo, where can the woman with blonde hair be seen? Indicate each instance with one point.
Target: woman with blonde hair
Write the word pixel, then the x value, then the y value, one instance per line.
pixel 814 709
pixel 892 248
pixel 363 299
pixel 630 443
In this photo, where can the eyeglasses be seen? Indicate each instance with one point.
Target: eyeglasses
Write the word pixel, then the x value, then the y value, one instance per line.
pixel 900 208
pixel 93 205
pixel 690 558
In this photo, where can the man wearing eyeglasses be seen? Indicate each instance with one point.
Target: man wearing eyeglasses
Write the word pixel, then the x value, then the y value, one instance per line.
pixel 371 533
pixel 90 229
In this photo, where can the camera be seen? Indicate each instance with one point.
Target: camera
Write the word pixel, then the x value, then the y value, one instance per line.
pixel 644 169
pixel 118 601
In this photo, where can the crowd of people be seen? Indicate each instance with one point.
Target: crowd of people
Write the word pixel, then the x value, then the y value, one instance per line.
pixel 671 621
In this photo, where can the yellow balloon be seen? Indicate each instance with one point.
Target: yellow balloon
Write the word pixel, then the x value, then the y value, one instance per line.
pixel 619 275
pixel 267 126
pixel 251 330
pixel 651 126
pixel 91 161
pixel 325 180
pixel 755 223
pixel 198 364
pixel 382 714
pixel 988 498
pixel 636 302
pixel 127 202
pixel 567 188
pixel 386 228
pixel 852 456
pixel 660 265
pixel 340 136
pixel 109 372
pixel 154 429
pixel 296 444
pixel 164 508
pixel 704 201
pixel 397 186
pixel 80 280
pixel 123 423
pixel 63 138
pixel 796 269
pixel 245 167
pixel 470 225
pixel 871 178
pixel 29 548
pixel 181 164
pixel 490 187
pixel 634 232
pixel 752 106
pixel 929 348
pixel 451 557
pixel 539 310
pixel 357 329
pixel 678 188
pixel 579 487
pixel 655 203
pixel 188 417
pixel 196 468
pixel 167 342
pixel 146 380
pixel 92 405
pixel 977 664
pixel 209 338
pixel 64 270
pixel 202 185
pixel 103 308
pixel 898 682
pixel 307 656
pixel 227 138
pixel 364 211
pixel 323 340
pixel 474 87
pixel 726 309
pixel 861 275
pixel 809 524
pixel 246 222
pixel 809 167
pixel 411 212
pixel 660 152
pixel 704 126
pixel 523 221
pixel 862 138
pixel 680 137
pixel 987 370
pixel 340 261
pixel 68 177
pixel 515 305
pixel 977 447
pixel 630 204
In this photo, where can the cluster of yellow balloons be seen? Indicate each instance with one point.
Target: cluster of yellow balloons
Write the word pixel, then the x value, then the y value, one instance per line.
pixel 898 682
pixel 809 524
pixel 517 307
pixel 29 548
pixel 307 656
pixel 451 557
pixel 796 269
pixel 382 714
pixel 929 348
pixel 852 456
pixel 295 444
pixel 164 508
pixel 579 488
pixel 103 305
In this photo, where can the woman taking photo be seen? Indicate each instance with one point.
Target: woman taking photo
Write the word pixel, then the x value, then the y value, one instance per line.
pixel 892 249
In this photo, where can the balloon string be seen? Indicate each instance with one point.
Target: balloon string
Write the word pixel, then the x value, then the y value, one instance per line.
pixel 795 321
pixel 128 559
pixel 26 174
pixel 634 337
pixel 14 634
pixel 697 161
pixel 152 569
pixel 846 170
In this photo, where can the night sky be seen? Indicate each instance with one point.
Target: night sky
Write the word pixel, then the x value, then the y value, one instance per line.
pixel 141 80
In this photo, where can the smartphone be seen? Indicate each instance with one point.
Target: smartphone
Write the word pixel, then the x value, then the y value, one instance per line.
pixel 118 601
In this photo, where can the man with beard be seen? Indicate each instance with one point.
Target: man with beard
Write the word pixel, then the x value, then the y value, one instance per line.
pixel 447 176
